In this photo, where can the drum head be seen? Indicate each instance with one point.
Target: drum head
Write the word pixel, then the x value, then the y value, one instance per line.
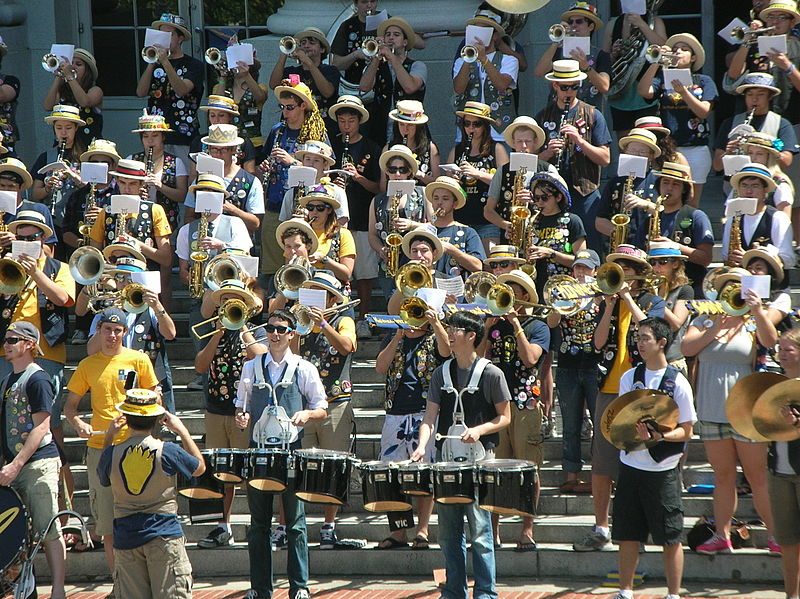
pixel 318 498
pixel 499 465
pixel 200 493
pixel 267 485
pixel 315 452
pixel 14 527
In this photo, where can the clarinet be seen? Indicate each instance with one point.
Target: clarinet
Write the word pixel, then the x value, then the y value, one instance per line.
pixel 467 150
pixel 149 169
pixel 346 157
pixel 272 163
pixel 560 152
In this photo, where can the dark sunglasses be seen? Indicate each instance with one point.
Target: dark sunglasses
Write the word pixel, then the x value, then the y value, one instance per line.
pixel 279 328
pixel 403 170
pixel 578 21
pixel 287 107
pixel 12 340
pixel 566 88
pixel 501 264
pixel 34 237
pixel 537 197
pixel 661 261
pixel 469 124
pixel 317 207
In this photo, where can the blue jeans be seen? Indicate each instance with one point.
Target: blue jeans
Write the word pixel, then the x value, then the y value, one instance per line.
pixel 575 386
pixel 454 550
pixel 258 541
pixel 587 207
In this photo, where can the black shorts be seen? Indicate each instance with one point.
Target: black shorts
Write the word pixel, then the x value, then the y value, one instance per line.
pixel 624 120
pixel 648 502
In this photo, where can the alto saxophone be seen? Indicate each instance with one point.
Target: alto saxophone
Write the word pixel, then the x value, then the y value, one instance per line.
pixel 654 228
pixel 734 238
pixel 393 240
pixel 198 257
pixel 531 238
pixel 520 213
pixel 622 220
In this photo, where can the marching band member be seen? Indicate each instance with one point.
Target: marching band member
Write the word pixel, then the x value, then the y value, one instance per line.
pixel 410 129
pixel 298 240
pixel 578 144
pixel 9 94
pixel 222 110
pixel 317 155
pixel 421 245
pixel 241 85
pixel 76 84
pixel 664 139
pixel 304 401
pixel 763 149
pixel 14 176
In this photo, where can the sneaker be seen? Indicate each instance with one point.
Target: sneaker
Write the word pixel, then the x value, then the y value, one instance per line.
pixel 362 330
pixel 327 537
pixel 714 545
pixel 774 548
pixel 79 338
pixel 587 429
pixel 302 594
pixel 278 538
pixel 593 541
pixel 219 537
pixel 196 384
pixel 547 427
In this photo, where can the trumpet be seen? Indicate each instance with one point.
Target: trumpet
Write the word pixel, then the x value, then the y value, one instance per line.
pixel 50 63
pixel 287 45
pixel 654 54
pixel 132 298
pixel 558 32
pixel 220 268
pixel 150 54
pixel 290 277
pixel 12 277
pixel 748 38
pixel 469 54
pixel 500 300
pixel 216 59
pixel 477 287
pixel 233 314
pixel 611 278
pixel 303 315
pixel 86 265
pixel 411 277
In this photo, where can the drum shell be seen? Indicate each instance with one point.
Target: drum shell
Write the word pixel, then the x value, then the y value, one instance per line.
pixel 15 537
pixel 454 482
pixel 269 469
pixel 231 465
pixel 322 476
pixel 380 487
pixel 507 487
pixel 205 486
pixel 416 479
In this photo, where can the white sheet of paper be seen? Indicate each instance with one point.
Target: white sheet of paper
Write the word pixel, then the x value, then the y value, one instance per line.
pixel 239 53
pixel 520 159
pixel 302 175
pixel 404 186
pixel 725 32
pixel 632 165
pixel 151 279
pixel 453 286
pixel 771 43
pixel 373 21
pixel 574 42
pixel 733 163
pixel 758 283
pixel 682 75
pixel 740 206
pixel 634 7
pixel 94 172
pixel 450 167
pixel 484 34
pixel 433 297
pixel 335 172
pixel 313 298
pixel 208 201
pixel 8 202
pixel 124 204
pixel 51 166
pixel 31 248
pixel 206 165
pixel 248 263
pixel 63 51
pixel 156 37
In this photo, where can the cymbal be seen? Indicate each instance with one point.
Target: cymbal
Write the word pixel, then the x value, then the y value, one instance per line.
pixel 742 397
pixel 518 7
pixel 620 417
pixel 767 417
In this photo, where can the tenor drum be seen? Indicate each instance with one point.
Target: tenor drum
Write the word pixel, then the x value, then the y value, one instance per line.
pixel 205 486
pixel 269 469
pixel 15 536
pixel 507 487
pixel 323 476
pixel 454 482
pixel 230 465
pixel 415 479
pixel 380 485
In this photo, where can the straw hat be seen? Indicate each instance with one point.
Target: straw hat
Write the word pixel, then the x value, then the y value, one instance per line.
pixel 665 249
pixel 88 59
pixel 478 110
pixel 314 33
pixel 487 18
pixel 585 10
pixel 566 71
pixel 16 166
pixel 209 182
pixel 764 141
pixel 759 80
pixel 522 279
pixel 233 287
pixel 525 122
pixel 293 85
pixel 354 103
pixel 769 254
pixel 64 112
pixel 673 170
pixel 31 218
pixel 428 231
pixel 130 169
pixel 322 193
pixel 151 122
pixel 556 181
pixel 122 245
pixel 628 252
pixel 141 402
pixel 297 223
pixel 642 136
pixel 223 135
pixel 651 123
pixel 403 25
pixel 316 148
pixel 501 253
pixel 785 6
pixel 223 103
pixel 409 111
pixel 176 21
pixel 691 41
pixel 754 170
pixel 102 147
pixel 451 185
pixel 399 151
pixel 734 274
pixel 324 279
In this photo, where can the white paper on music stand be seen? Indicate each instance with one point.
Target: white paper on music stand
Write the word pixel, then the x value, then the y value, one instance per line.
pixel 476 32
pixel 633 7
pixel 576 42
pixel 8 202
pixel 239 53
pixel 682 75
pixel 63 52
pixel 206 165
pixel 302 175
pixel 313 298
pixel 248 263
pixel 403 186
pixel 632 165
pixel 124 204
pixel 208 201
pixel 740 206
pixel 30 248
pixel 726 32
pixel 374 21
pixel 733 163
pixel 151 279
pixel 758 283
pixel 453 285
pixel 433 297
pixel 156 37
pixel 94 172
pixel 520 159
pixel 771 43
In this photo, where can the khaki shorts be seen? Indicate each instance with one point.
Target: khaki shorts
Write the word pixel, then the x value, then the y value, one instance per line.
pixel 37 485
pixel 784 499
pixel 222 432
pixel 605 457
pixel 271 251
pixel 332 433
pixel 367 264
pixel 101 499
pixel 522 439
pixel 157 569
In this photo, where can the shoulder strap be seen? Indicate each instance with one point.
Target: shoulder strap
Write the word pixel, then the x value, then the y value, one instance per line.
pixel 477 372
pixel 260 381
pixel 288 374
pixel 447 383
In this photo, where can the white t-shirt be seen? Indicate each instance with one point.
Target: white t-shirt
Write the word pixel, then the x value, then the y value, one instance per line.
pixel 241 237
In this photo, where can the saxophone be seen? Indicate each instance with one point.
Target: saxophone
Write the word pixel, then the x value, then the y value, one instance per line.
pixel 393 240
pixel 121 227
pixel 198 257
pixel 622 220
pixel 531 238
pixel 734 238
pixel 654 229
pixel 519 213
pixel 85 226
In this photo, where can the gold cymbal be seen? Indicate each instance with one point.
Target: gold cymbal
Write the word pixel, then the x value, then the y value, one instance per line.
pixel 518 7
pixel 618 423
pixel 767 417
pixel 742 397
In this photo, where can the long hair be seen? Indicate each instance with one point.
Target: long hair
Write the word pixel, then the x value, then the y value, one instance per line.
pixel 669 150
pixel 487 143
pixel 331 224
pixel 420 143
pixel 677 277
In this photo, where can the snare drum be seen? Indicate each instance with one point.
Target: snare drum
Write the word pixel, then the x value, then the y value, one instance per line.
pixel 205 486
pixel 269 469
pixel 230 465
pixel 380 485
pixel 454 482
pixel 15 536
pixel 507 487
pixel 323 476
pixel 415 479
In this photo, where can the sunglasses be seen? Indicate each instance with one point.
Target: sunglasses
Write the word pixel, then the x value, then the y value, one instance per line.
pixel 34 237
pixel 566 88
pixel 501 264
pixel 393 170
pixel 287 107
pixel 12 340
pixel 471 124
pixel 578 21
pixel 661 261
pixel 317 207
pixel 537 197
pixel 279 328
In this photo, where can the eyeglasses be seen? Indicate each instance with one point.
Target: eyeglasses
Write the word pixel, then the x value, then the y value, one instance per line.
pixel 779 18
pixel 12 340
pixel 471 124
pixel 34 237
pixel 317 207
pixel 501 264
pixel 452 329
pixel 287 107
pixel 566 88
pixel 578 21
pixel 277 328
pixel 393 170
pixel 537 197
pixel 661 261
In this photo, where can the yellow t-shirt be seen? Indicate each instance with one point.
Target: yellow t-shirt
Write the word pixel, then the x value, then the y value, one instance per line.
pixel 347 245
pixel 29 312
pixel 104 376
pixel 621 362
pixel 161 226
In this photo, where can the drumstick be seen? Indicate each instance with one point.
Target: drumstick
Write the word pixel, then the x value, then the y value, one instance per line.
pixel 439 436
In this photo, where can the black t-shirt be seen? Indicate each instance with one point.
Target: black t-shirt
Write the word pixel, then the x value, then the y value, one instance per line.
pixel 557 231
pixel 39 391
pixel 348 38
pixel 8 110
pixel 408 398
pixel 365 153
pixel 180 112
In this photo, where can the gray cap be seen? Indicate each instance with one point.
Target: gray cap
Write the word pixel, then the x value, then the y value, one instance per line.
pixel 587 258
pixel 27 331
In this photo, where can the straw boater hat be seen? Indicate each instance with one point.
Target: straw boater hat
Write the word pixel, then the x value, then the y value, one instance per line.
pixel 352 102
pixel 522 279
pixel 223 103
pixel 102 147
pixel 764 141
pixel 409 111
pixel 451 185
pixel 760 80
pixel 88 59
pixel 209 182
pixel 628 252
pixel 769 254
pixel 784 6
pixel 314 33
pixel 697 48
pixel 502 253
pixel 233 287
pixel 222 135
pixel 478 110
pixel 130 169
pixel 401 24
pixel 141 402
pixel 299 89
pixel 316 148
pixel 566 71
pixel 428 231
pixel 324 279
pixel 583 9
pixel 399 151
pixel 487 18
pixel 151 122
pixel 642 136
pixel 64 112
pixel 127 265
pixel 734 274
pixel 673 170
pixel 31 218
pixel 556 181
pixel 121 245
pixel 651 123
pixel 665 249
pixel 754 170
pixel 16 166
pixel 524 122
pixel 322 193
pixel 175 21
pixel 297 223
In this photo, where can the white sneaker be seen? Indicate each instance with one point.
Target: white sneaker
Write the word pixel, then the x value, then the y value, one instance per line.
pixel 302 594
pixel 362 330
pixel 587 429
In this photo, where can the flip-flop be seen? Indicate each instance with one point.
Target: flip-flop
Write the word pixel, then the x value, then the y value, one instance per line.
pixel 420 543
pixel 392 544
pixel 525 547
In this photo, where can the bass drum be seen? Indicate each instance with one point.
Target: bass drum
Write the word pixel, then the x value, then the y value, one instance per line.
pixel 15 537
pixel 323 476
pixel 205 486
pixel 507 487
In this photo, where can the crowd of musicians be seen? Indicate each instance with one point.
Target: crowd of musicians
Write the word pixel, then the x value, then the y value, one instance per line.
pixel 522 265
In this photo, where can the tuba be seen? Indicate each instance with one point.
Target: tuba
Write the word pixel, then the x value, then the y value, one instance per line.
pixel 221 268
pixel 290 277
pixel 412 277
pixel 86 265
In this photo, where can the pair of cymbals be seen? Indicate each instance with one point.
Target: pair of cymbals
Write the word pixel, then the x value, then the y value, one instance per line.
pixel 755 403
pixel 618 423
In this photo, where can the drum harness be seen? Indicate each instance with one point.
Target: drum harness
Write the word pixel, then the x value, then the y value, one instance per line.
pixel 274 426
pixel 453 448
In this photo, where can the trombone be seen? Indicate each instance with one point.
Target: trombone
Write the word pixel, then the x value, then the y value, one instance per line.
pixel 86 265
pixel 567 296
pixel 654 54
pixel 412 311
pixel 730 302
pixel 233 314
pixel 500 301
pixel 303 315
pixel 132 298
pixel 477 287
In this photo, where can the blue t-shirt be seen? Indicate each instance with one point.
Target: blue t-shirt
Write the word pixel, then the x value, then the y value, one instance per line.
pixel 701 227
pixel 136 530
pixel 39 390
pixel 466 239
pixel 687 128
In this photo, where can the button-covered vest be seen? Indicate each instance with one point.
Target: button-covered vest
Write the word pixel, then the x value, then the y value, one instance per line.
pixel 19 421
pixel 169 177
pixel 286 391
pixel 447 265
pixel 523 381
pixel 477 409
pixel 8 122
pixel 683 232
pixel 414 209
pixel 388 91
pixel 661 451
pixel 477 191
pixel 249 118
pixel 507 178
pixel 57 202
pixel 584 175
pixel 239 188
pixel 148 340
pixel 427 361
pixel 140 227
pixel 138 481
pixel 334 368
pixel 224 373
pixel 501 102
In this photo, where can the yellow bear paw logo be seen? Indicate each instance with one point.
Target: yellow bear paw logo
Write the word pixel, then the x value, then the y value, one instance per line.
pixel 137 466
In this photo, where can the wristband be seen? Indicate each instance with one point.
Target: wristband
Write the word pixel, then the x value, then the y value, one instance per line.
pixel 162 312
pixel 789 70
pixel 323 324
pixel 521 331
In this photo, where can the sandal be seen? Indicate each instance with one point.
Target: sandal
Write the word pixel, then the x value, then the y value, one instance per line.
pixel 70 538
pixel 391 543
pixel 420 543
pixel 525 546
